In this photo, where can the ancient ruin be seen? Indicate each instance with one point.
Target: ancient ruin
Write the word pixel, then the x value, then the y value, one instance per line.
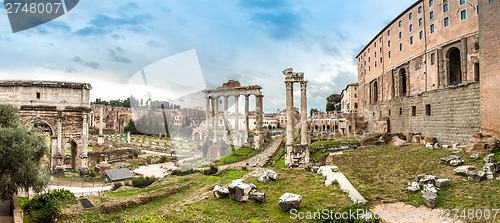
pixel 63 108
pixel 296 154
pixel 234 135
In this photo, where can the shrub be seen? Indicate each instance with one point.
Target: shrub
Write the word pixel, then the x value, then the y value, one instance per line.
pixel 163 159
pixel 117 185
pixel 141 182
pixel 181 173
pixel 213 170
pixel 46 207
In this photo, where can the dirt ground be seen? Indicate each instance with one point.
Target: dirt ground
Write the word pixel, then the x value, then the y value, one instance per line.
pixel 402 213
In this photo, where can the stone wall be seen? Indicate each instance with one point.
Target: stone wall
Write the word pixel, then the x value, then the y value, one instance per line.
pixel 454 114
pixel 489 52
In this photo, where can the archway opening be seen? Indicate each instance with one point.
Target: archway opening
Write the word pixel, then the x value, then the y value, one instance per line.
pixel 375 92
pixel 71 154
pixel 403 83
pixel 454 67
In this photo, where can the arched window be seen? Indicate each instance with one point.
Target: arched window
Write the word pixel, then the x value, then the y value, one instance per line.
pixel 403 83
pixel 454 67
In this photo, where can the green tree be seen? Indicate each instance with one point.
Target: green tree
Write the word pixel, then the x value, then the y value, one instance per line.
pixel 21 151
pixel 131 127
pixel 313 110
pixel 333 102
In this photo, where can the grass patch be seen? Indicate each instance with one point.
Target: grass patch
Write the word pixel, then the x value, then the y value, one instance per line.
pixel 329 144
pixel 240 154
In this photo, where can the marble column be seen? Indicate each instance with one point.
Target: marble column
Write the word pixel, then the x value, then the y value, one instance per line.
pixel 226 107
pixel 60 152
pixel 259 113
pixel 247 108
pixel 216 117
pixel 101 117
pixel 212 113
pixel 289 112
pixel 236 113
pixel 207 114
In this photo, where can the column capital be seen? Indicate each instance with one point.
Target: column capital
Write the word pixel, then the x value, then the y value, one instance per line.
pixel 289 85
pixel 247 95
pixel 259 96
pixel 303 84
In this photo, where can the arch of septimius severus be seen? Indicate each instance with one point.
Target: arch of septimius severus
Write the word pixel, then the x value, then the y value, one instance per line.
pixel 62 106
pixel 234 134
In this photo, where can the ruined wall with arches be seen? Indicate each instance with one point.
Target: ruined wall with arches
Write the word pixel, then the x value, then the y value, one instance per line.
pixel 62 107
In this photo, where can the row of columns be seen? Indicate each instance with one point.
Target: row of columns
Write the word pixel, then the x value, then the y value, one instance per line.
pixel 212 117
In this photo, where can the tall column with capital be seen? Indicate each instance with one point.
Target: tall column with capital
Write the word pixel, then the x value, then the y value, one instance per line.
pixel 303 112
pixel 212 113
pixel 216 117
pixel 207 115
pixel 100 137
pixel 259 121
pixel 289 112
pixel 247 108
pixel 236 113
pixel 60 151
pixel 226 102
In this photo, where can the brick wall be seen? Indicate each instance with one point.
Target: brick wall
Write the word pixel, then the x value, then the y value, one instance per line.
pixel 454 114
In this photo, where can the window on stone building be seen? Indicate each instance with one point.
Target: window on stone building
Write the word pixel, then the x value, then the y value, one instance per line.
pixel 446 21
pixel 462 2
pixel 477 9
pixel 389 43
pixel 389 54
pixel 419 9
pixel 428 110
pixel 380 60
pixel 375 92
pixel 368 51
pixel 463 14
pixel 38 95
pixel 413 110
pixel 355 95
pixel 399 23
pixel 375 63
pixel 445 7
pixel 431 15
pixel 410 16
pixel 431 2
pixel 380 50
pixel 388 32
pixel 355 105
pixel 389 112
pixel 400 35
pixel 420 22
pixel 432 28
pixel 403 83
pixel 400 47
pixel 411 40
pixel 375 45
pixel 380 39
pixel 400 111
pixel 491 1
pixel 375 55
pixel 421 34
pixel 433 58
pixel 411 27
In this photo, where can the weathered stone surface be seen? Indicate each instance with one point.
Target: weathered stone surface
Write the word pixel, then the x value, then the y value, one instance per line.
pixel 476 176
pixel 397 141
pixel 482 144
pixel 239 191
pixel 463 170
pixel 263 179
pixel 259 197
pixel 489 158
pixel 431 140
pixel 289 201
pixel 489 169
pixel 314 169
pixel 424 179
pixel 445 146
pixel 497 167
pixel 272 175
pixel 456 162
pixel 442 182
pixel 430 195
pixel 437 146
pixel 254 188
pixel 413 187
pixel 474 156
pixel 220 192
pixel 429 146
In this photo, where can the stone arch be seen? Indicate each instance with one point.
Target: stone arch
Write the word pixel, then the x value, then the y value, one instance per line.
pixel 454 66
pixel 73 146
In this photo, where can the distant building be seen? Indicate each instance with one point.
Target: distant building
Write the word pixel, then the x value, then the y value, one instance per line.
pixel 349 101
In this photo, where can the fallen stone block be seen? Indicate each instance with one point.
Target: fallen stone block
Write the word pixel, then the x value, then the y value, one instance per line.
pixel 430 195
pixel 259 197
pixel 289 201
pixel 445 146
pixel 272 175
pixel 442 182
pixel 424 179
pixel 263 179
pixel 437 146
pixel 397 141
pixel 489 158
pixel 463 170
pixel 431 140
pixel 254 188
pixel 474 156
pixel 413 187
pixel 476 176
pixel 220 192
pixel 314 169
pixel 489 169
pixel 456 162
pixel 239 191
pixel 446 160
pixel 429 146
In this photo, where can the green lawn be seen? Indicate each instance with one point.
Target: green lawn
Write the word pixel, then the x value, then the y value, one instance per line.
pixel 240 154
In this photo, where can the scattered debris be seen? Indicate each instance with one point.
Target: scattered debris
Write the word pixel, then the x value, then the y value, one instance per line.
pixel 463 170
pixel 452 160
pixel 289 201
pixel 424 179
pixel 397 141
pixel 442 182
pixel 489 158
pixel 474 156
pixel 239 190
pixel 489 169
pixel 259 197
pixel 264 175
pixel 476 176
pixel 413 187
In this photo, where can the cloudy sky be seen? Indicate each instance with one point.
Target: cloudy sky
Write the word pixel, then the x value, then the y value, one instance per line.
pixel 106 42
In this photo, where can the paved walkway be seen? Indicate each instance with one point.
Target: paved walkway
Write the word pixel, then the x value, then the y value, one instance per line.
pixel 262 158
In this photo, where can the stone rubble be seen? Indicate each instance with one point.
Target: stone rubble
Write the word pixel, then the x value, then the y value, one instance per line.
pixel 489 169
pixel 289 201
pixel 220 192
pixel 430 195
pixel 413 187
pixel 259 197
pixel 442 182
pixel 424 179
pixel 489 158
pixel 452 160
pixel 463 170
pixel 239 190
pixel 264 174
pixel 476 176
pixel 474 156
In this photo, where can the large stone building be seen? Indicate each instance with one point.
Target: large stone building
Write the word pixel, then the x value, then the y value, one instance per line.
pixel 434 71
pixel 349 98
